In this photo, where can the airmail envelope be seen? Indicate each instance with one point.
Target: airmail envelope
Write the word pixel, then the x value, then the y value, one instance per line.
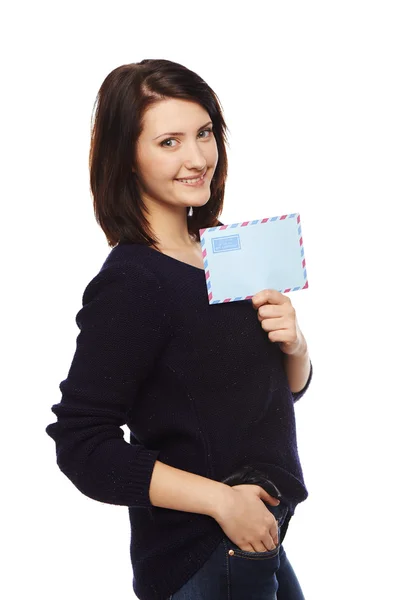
pixel 244 258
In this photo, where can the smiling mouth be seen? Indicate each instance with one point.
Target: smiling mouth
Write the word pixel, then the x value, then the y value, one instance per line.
pixel 195 179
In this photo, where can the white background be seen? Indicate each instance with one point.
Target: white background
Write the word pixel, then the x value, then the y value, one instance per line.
pixel 311 95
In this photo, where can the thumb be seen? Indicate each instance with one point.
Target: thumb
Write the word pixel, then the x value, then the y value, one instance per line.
pixel 267 497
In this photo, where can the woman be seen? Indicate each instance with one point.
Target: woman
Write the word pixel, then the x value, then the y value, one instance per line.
pixel 203 388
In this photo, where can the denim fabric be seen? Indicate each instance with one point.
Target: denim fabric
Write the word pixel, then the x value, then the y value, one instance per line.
pixel 234 574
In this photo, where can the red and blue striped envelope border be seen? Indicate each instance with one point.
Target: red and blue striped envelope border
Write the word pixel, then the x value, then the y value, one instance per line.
pixel 249 224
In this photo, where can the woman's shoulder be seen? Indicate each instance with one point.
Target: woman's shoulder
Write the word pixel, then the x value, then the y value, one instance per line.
pixel 124 292
pixel 129 262
pixel 125 270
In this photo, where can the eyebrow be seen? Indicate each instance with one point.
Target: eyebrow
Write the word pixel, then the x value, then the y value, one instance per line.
pixel 180 132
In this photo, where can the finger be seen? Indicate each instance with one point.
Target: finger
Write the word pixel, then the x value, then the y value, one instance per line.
pixel 270 544
pixel 276 536
pixel 271 310
pixel 263 546
pixel 272 324
pixel 271 296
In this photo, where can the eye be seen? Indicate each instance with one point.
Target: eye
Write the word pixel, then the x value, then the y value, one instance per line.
pixel 170 139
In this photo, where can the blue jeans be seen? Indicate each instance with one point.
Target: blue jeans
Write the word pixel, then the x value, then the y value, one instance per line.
pixel 234 574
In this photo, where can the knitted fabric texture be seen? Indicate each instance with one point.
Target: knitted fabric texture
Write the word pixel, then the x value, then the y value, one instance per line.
pixel 201 388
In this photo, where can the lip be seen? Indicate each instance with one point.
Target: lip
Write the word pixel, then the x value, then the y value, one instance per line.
pixel 196 177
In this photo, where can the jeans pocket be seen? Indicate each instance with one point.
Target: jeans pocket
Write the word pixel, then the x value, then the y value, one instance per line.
pixel 280 512
pixel 234 550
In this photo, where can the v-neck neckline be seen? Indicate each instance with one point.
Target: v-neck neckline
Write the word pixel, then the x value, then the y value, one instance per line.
pixel 200 269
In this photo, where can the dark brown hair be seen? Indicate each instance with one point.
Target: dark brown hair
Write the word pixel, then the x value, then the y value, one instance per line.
pixel 124 96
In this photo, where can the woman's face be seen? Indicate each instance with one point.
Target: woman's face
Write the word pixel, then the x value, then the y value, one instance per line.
pixel 163 158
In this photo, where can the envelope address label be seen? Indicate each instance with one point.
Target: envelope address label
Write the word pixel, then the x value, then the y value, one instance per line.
pixel 226 243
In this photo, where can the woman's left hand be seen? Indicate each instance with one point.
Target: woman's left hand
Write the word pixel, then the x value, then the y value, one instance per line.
pixel 278 316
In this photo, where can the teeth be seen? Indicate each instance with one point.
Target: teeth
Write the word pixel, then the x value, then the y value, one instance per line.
pixel 191 180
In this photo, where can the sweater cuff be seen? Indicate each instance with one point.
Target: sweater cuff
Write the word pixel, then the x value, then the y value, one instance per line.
pixel 140 483
pixel 299 394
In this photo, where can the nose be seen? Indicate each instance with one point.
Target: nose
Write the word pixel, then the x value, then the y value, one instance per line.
pixel 195 157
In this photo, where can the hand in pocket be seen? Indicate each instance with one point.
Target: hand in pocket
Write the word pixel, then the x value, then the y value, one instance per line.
pixel 246 520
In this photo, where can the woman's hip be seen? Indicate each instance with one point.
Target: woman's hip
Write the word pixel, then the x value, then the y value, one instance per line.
pixel 234 574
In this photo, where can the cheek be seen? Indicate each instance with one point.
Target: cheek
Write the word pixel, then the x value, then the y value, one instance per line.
pixel 212 159
pixel 161 170
pixel 211 153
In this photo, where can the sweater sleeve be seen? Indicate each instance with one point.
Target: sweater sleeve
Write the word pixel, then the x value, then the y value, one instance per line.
pixel 123 328
pixel 299 394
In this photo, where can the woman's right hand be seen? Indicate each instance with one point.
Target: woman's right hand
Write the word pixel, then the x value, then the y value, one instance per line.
pixel 246 520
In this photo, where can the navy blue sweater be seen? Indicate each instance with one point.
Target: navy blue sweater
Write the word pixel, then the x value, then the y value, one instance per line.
pixel 201 388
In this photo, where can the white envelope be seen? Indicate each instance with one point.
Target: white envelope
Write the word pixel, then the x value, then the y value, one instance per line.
pixel 244 258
